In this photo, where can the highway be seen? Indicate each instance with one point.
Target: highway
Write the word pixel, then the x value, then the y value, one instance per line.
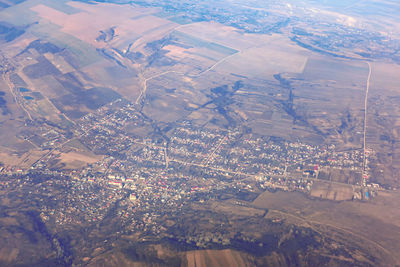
pixel 365 114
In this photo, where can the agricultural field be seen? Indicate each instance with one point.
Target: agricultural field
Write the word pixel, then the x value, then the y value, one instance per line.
pixel 199 133
pixel 169 65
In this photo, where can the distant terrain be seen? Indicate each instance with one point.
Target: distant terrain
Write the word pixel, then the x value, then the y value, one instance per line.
pixel 199 133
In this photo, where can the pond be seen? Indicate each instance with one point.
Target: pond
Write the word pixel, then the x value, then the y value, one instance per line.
pixel 24 90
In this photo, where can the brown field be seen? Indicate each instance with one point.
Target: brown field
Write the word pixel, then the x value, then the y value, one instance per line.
pixel 59 62
pixel 225 35
pixel 24 160
pixel 8 255
pixel 231 208
pixel 331 191
pixel 13 150
pixel 77 160
pixel 260 55
pixel 81 26
pixel 348 72
pixel 266 61
pixel 49 87
pixel 226 257
pixel 383 124
pixel 74 155
pixel 123 81
pixel 15 47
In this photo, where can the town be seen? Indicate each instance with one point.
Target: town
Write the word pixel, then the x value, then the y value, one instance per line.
pixel 143 180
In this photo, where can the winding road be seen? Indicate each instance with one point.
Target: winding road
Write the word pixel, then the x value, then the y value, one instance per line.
pixel 145 80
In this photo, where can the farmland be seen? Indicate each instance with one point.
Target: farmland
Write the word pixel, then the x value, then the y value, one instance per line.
pixel 197 133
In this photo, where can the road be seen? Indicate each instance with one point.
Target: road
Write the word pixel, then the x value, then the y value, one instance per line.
pixel 67 141
pixel 145 80
pixel 6 78
pixel 144 83
pixel 166 157
pixel 215 150
pixel 213 66
pixel 204 164
pixel 365 114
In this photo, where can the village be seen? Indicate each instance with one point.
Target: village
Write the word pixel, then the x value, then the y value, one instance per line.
pixel 143 179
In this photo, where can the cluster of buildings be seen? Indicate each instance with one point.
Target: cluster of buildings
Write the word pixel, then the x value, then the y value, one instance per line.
pixel 143 180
